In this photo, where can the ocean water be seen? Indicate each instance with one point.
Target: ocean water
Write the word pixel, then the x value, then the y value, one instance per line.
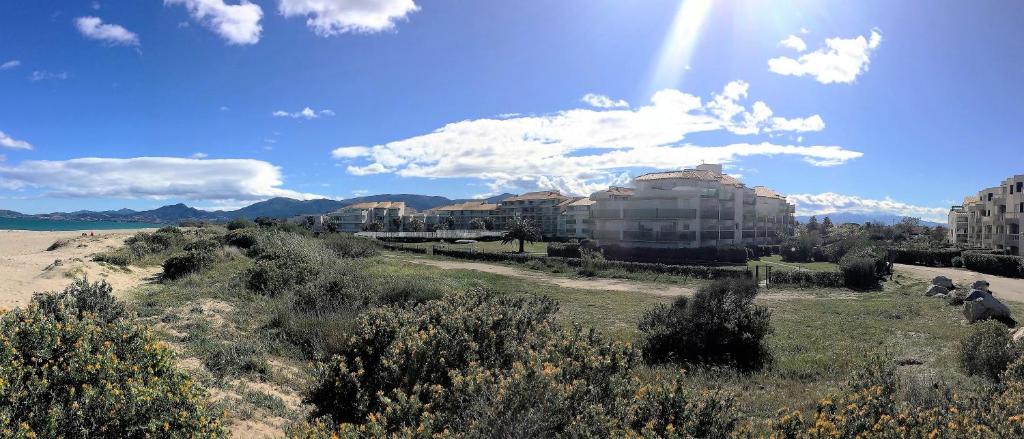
pixel 67 225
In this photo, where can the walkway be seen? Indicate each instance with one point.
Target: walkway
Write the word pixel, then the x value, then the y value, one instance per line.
pixel 1002 287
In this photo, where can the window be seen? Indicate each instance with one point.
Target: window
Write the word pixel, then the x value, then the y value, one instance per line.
pixel 1020 186
pixel 1022 207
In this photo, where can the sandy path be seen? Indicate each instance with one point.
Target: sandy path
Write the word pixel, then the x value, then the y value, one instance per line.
pixel 1002 287
pixel 601 284
pixel 26 266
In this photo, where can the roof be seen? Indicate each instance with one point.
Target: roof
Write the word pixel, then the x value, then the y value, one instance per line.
pixel 582 201
pixel 377 205
pixel 762 191
pixel 541 195
pixel 690 174
pixel 468 205
pixel 620 191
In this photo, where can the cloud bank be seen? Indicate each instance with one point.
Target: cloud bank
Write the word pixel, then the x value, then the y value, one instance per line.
pixel 333 17
pixel 829 202
pixel 150 178
pixel 581 150
pixel 840 61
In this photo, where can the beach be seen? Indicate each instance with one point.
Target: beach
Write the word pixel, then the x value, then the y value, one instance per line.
pixel 27 267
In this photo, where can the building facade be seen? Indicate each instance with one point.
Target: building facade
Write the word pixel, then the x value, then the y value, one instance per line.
pixel 363 216
pixel 541 208
pixel 690 208
pixel 461 216
pixel 993 218
pixel 574 222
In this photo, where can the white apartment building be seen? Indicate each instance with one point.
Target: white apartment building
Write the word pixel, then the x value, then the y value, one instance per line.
pixel 574 221
pixel 358 217
pixel 461 215
pixel 993 217
pixel 689 208
pixel 541 208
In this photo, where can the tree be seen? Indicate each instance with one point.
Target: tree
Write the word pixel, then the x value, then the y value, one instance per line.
pixel 489 223
pixel 477 224
pixel 812 224
pixel 522 230
pixel 826 225
pixel 375 226
pixel 396 223
pixel 416 225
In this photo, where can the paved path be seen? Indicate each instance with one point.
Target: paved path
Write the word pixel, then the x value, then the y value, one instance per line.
pixel 1002 287
pixel 597 283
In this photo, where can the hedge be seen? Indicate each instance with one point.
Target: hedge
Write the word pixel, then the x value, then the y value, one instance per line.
pixel 1000 265
pixel 807 278
pixel 677 256
pixel 563 250
pixel 927 257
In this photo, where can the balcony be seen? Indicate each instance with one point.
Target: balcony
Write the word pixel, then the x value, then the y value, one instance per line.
pixel 659 213
pixel 654 236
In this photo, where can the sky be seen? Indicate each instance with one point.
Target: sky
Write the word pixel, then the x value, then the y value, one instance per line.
pixel 866 107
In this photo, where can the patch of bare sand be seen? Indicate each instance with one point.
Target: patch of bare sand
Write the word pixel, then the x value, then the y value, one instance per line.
pixel 27 267
pixel 597 283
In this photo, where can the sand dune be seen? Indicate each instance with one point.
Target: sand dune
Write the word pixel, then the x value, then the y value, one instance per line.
pixel 26 266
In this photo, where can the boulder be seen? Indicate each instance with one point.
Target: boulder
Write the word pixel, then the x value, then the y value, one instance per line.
pixel 943 281
pixel 936 290
pixel 980 285
pixel 956 297
pixel 980 305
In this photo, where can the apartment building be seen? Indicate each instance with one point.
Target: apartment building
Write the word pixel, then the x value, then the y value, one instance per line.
pixel 361 216
pixel 541 208
pixel 574 221
pixel 460 216
pixel 689 208
pixel 957 220
pixel 993 217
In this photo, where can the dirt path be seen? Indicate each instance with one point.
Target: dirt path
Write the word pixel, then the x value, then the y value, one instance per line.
pixel 27 267
pixel 601 284
pixel 1002 287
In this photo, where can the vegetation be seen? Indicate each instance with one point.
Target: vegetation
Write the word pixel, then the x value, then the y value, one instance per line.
pixel 522 230
pixel 719 325
pixel 987 349
pixel 74 364
pixel 1000 265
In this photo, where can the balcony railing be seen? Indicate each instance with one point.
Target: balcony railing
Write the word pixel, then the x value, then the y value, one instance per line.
pixel 655 236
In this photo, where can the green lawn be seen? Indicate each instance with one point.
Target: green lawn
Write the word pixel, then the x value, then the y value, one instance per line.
pixel 775 261
pixel 488 246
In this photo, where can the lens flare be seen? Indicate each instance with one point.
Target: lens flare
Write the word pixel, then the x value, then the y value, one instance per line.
pixel 677 49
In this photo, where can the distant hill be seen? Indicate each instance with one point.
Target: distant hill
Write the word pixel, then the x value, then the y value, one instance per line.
pixel 275 208
pixel 861 218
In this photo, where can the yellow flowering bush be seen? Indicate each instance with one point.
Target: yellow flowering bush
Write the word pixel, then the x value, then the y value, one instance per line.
pixel 73 365
pixel 479 365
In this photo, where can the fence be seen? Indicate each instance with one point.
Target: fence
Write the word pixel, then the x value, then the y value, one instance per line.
pixel 436 235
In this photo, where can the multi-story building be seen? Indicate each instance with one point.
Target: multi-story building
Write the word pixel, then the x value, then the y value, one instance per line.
pixel 993 217
pixel 460 216
pixel 361 216
pixel 689 208
pixel 574 221
pixel 541 208
pixel 957 220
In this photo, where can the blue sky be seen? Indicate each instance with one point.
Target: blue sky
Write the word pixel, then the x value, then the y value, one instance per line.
pixel 857 106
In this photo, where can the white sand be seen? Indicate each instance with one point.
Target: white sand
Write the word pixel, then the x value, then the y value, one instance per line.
pixel 26 266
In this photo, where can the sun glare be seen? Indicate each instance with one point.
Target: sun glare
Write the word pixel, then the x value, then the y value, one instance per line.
pixel 677 48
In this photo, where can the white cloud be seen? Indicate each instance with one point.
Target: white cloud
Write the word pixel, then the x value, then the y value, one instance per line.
pixel 360 192
pixel 580 150
pixel 93 27
pixel 199 155
pixel 40 75
pixel 333 17
pixel 829 202
pixel 10 142
pixel 10 64
pixel 236 23
pixel 794 42
pixel 151 178
pixel 804 31
pixel 840 61
pixel 305 113
pixel 602 101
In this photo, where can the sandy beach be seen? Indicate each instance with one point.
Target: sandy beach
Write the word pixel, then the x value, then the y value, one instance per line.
pixel 26 266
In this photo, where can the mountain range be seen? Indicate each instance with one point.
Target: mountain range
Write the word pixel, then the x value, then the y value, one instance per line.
pixel 861 218
pixel 275 208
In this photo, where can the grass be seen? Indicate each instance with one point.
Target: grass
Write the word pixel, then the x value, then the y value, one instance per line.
pixel 775 261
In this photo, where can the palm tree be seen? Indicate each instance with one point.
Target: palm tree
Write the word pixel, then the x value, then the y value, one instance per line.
pixel 522 230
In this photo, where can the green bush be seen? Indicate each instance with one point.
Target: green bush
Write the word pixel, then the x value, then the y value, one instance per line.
pixel 142 245
pixel 676 256
pixel 927 257
pixel 563 250
pixel 807 278
pixel 349 246
pixel 719 325
pixel 1000 265
pixel 274 276
pixel 240 223
pixel 957 262
pixel 192 261
pixel 72 365
pixel 477 365
pixel 863 268
pixel 987 350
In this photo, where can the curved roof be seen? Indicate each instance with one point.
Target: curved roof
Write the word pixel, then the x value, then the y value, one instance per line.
pixel 690 174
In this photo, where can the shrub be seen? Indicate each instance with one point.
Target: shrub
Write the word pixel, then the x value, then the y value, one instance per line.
pixel 477 365
pixel 806 278
pixel 677 256
pixel 987 350
pixel 74 366
pixel 1000 265
pixel 957 261
pixel 192 261
pixel 274 276
pixel 240 223
pixel 927 257
pixel 862 268
pixel 349 246
pixel 719 325
pixel 236 357
pixel 563 250
pixel 590 262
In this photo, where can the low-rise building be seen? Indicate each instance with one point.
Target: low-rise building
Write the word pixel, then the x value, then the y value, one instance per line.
pixel 461 216
pixel 993 217
pixel 688 208
pixel 541 208
pixel 382 215
pixel 574 221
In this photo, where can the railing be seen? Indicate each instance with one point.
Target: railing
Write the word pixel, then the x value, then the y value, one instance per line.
pixel 644 235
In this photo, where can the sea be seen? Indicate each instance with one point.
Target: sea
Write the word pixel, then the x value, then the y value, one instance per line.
pixel 68 225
